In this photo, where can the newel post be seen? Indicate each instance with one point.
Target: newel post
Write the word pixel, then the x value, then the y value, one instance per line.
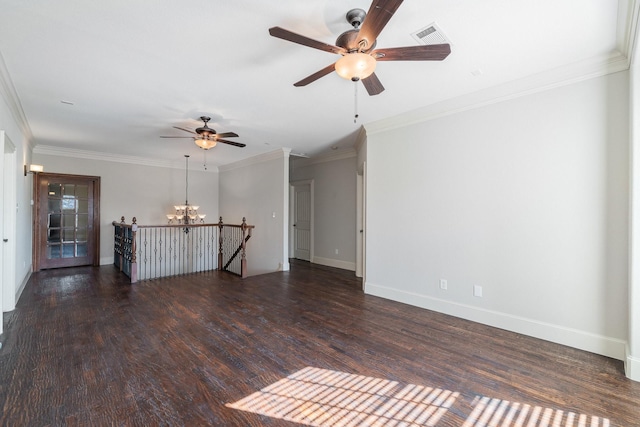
pixel 243 262
pixel 220 226
pixel 134 263
pixel 121 238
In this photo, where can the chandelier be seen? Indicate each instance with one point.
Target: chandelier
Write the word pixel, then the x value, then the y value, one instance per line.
pixel 186 214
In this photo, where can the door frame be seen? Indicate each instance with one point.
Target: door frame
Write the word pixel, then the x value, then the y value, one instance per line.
pixel 38 229
pixel 292 204
pixel 8 206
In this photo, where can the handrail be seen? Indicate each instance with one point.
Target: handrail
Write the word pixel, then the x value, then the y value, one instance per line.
pixel 152 251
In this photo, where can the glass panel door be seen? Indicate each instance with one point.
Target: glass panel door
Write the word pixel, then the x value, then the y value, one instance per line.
pixel 66 221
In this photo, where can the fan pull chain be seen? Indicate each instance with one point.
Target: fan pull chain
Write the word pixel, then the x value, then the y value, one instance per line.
pixel 355 101
pixel 205 159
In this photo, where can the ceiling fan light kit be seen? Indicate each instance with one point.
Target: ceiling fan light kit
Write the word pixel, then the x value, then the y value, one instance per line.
pixel 206 143
pixel 355 66
pixel 358 47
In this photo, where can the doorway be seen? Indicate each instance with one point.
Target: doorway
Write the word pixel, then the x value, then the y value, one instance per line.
pixel 302 220
pixel 67 221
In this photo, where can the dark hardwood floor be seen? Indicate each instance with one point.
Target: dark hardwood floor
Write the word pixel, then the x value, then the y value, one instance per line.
pixel 305 347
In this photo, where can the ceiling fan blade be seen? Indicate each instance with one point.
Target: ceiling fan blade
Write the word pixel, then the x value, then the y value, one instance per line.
pixel 186 130
pixel 177 137
pixel 315 76
pixel 373 85
pixel 281 33
pixel 434 52
pixel 236 144
pixel 227 135
pixel 377 17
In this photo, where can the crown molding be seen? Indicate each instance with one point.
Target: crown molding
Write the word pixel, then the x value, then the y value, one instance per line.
pixel 8 92
pixel 628 15
pixel 282 153
pixel 327 157
pixel 563 76
pixel 109 157
pixel 361 139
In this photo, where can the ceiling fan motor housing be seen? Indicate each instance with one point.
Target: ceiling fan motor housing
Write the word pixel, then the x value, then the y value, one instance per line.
pixel 349 39
pixel 205 130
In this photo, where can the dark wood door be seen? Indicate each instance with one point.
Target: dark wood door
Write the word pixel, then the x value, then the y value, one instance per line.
pixel 67 220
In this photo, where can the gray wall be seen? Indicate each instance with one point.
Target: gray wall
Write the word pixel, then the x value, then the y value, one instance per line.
pixel 146 192
pixel 527 198
pixel 258 190
pixel 334 207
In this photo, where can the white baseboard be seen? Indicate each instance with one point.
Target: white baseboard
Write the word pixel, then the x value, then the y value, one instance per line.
pixel 106 260
pixel 345 265
pixel 606 346
pixel 632 367
pixel 24 282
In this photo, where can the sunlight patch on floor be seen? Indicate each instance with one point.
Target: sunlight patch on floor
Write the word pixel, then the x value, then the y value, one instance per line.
pixel 496 412
pixel 320 397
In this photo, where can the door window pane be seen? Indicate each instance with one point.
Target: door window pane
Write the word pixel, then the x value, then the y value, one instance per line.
pixel 82 249
pixel 82 191
pixel 55 190
pixel 68 250
pixel 54 220
pixel 55 205
pixel 69 190
pixel 69 204
pixel 68 234
pixel 81 235
pixel 83 221
pixel 53 251
pixel 69 220
pixel 53 236
pixel 83 206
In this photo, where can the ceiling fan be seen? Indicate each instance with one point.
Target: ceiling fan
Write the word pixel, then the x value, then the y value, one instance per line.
pixel 207 138
pixel 357 47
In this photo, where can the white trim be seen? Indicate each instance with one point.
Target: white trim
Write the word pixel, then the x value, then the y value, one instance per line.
pixel 109 157
pixel 606 346
pixel 9 206
pixel 360 139
pixel 272 155
pixel 536 83
pixel 327 157
pixel 345 265
pixel 632 367
pixel 284 266
pixel 106 260
pixel 25 280
pixel 628 26
pixel 8 92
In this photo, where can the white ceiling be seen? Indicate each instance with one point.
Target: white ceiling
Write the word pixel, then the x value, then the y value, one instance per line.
pixel 135 69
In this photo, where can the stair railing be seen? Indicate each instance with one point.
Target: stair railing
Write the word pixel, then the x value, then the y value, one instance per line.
pixel 145 252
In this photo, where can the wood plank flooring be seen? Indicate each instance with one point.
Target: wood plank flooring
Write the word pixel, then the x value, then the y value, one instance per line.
pixel 305 347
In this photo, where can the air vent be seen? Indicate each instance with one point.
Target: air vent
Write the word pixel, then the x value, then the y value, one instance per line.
pixel 430 34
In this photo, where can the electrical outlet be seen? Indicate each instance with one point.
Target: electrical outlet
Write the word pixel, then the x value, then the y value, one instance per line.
pixel 477 291
pixel 443 284
pixel 337 252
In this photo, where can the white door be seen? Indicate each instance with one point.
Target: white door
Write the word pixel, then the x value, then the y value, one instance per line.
pixel 302 221
pixel 359 225
pixel 8 221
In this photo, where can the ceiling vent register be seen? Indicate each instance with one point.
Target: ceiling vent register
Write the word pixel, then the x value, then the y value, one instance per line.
pixel 429 35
